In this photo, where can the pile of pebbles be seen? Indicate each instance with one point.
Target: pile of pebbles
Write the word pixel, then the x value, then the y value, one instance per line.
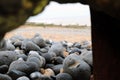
pixel 38 59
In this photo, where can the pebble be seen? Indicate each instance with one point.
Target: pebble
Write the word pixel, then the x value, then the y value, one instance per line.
pixel 38 40
pixel 14 74
pixel 28 45
pixel 3 69
pixel 8 46
pixel 40 59
pixel 6 57
pixel 23 66
pixel 23 78
pixel 63 76
pixel 76 67
pixel 35 75
pixel 5 77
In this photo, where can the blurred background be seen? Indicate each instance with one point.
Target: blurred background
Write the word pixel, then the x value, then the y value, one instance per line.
pixel 64 14
pixel 70 22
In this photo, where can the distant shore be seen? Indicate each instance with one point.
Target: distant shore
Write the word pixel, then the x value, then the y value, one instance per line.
pixel 58 33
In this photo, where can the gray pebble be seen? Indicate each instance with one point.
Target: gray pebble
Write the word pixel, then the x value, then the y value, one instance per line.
pixel 21 65
pixel 23 78
pixel 14 74
pixel 28 45
pixel 6 57
pixel 5 77
pixel 76 67
pixel 3 69
pixel 63 76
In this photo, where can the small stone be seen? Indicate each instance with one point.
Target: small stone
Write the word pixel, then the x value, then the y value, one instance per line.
pixel 23 78
pixel 63 76
pixel 76 67
pixel 3 69
pixel 6 57
pixel 28 45
pixel 5 77
pixel 35 75
pixel 57 68
pixel 57 60
pixel 14 74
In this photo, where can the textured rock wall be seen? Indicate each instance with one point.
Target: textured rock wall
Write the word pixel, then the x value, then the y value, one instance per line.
pixel 14 13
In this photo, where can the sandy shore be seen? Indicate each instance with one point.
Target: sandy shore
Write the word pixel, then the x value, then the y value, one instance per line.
pixel 53 33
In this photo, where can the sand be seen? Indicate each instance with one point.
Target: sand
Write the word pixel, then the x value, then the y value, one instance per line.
pixel 53 33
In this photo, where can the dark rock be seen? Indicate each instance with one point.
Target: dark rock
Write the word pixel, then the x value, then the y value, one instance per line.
pixel 48 57
pixel 44 50
pixel 8 46
pixel 57 68
pixel 49 65
pixel 17 44
pixel 23 56
pixel 57 60
pixel 28 45
pixel 75 50
pixel 39 41
pixel 56 49
pixel 77 45
pixel 6 57
pixel 86 45
pixel 3 69
pixel 21 65
pixel 49 41
pixel 34 56
pixel 35 60
pixel 46 78
pixel 76 67
pixel 5 77
pixel 14 74
pixel 16 38
pixel 54 61
pixel 63 76
pixel 87 57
